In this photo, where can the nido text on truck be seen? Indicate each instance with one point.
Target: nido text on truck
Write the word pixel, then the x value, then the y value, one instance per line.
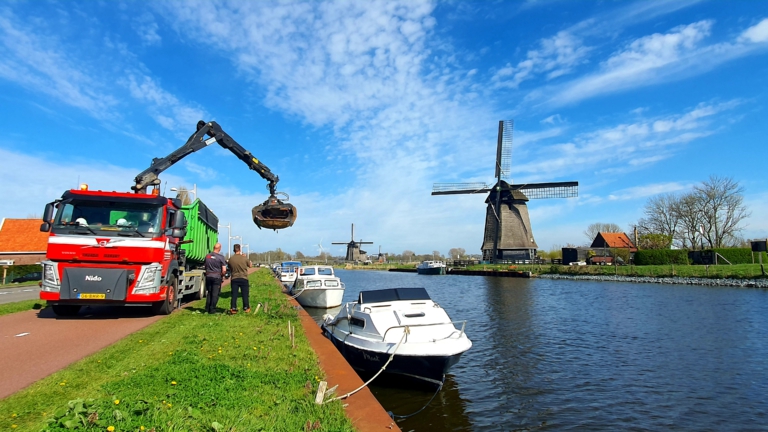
pixel 140 248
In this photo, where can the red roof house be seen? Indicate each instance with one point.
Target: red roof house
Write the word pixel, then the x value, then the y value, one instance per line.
pixel 613 240
pixel 22 241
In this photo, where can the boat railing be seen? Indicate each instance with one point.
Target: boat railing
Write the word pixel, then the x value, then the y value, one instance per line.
pixel 408 326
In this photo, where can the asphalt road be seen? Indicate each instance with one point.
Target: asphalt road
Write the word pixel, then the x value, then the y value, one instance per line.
pixel 10 295
pixel 34 344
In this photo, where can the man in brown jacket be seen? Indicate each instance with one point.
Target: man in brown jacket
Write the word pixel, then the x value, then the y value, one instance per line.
pixel 238 265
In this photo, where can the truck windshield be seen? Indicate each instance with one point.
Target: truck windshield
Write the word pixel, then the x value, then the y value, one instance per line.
pixel 108 218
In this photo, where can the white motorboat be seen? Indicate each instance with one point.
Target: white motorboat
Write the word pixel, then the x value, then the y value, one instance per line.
pixel 289 270
pixel 431 268
pixel 403 322
pixel 318 287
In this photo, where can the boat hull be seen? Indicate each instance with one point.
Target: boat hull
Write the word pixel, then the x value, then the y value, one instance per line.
pixel 431 271
pixel 320 298
pixel 367 362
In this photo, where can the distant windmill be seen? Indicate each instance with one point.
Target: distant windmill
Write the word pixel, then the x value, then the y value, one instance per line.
pixel 508 234
pixel 354 253
pixel 380 258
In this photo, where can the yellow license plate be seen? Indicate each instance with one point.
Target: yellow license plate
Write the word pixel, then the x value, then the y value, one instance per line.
pixel 89 296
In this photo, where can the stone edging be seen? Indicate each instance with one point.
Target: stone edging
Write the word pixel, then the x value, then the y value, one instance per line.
pixel 741 283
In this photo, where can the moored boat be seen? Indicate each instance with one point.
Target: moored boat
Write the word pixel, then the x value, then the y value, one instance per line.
pixel 402 323
pixel 318 287
pixel 288 272
pixel 431 268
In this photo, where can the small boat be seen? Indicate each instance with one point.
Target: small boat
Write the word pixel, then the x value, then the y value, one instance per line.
pixel 288 272
pixel 402 323
pixel 431 268
pixel 317 286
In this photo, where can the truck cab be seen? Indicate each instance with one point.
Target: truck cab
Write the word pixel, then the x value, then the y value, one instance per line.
pixel 112 248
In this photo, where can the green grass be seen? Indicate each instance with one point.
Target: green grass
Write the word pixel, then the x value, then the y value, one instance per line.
pixel 189 372
pixel 25 305
pixel 19 284
pixel 737 271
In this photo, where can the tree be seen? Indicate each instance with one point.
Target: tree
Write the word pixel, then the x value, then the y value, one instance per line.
pixel 408 254
pixel 712 211
pixel 723 210
pixel 299 255
pixel 689 212
pixel 599 227
pixel 661 216
pixel 654 241
pixel 456 253
pixel 183 195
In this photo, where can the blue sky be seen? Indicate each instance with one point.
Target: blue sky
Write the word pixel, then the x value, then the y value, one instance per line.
pixel 360 107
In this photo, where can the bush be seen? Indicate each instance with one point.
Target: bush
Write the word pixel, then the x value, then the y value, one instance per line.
pixel 739 255
pixel 661 257
pixel 15 271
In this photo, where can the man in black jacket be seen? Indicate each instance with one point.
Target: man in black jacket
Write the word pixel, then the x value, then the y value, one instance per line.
pixel 215 268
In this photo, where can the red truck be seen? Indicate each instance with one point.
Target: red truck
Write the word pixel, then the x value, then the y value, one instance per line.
pixel 128 248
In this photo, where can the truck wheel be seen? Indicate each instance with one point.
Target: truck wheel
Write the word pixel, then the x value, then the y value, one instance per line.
pixel 66 310
pixel 167 306
pixel 200 294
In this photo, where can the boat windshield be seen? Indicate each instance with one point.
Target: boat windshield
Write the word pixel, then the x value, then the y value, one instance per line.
pixel 392 294
pixel 108 218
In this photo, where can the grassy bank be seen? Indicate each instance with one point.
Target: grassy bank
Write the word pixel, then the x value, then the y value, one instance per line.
pixel 189 372
pixel 24 305
pixel 738 271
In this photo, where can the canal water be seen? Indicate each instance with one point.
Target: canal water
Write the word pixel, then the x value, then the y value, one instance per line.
pixel 582 355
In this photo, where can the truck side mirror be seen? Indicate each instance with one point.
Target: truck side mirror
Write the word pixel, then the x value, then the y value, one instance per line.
pixel 47 217
pixel 181 220
pixel 178 233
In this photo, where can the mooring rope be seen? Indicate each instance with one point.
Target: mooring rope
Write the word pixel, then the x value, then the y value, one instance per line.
pixel 405 332
pixel 394 416
pixel 293 297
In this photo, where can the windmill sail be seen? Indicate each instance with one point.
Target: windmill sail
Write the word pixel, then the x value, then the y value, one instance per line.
pixel 568 189
pixel 504 149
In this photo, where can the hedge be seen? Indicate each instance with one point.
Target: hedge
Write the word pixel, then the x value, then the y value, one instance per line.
pixel 661 257
pixel 739 255
pixel 15 271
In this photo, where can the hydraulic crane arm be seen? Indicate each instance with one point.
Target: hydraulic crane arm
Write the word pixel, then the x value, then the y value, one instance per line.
pixel 207 134
pixel 272 213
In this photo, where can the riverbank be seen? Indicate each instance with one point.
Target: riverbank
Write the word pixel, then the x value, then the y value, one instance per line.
pixel 190 371
pixel 729 282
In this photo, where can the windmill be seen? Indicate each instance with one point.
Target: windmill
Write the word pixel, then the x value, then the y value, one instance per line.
pixel 508 235
pixel 354 253
pixel 380 257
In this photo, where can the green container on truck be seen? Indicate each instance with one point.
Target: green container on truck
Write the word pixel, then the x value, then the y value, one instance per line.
pixel 202 235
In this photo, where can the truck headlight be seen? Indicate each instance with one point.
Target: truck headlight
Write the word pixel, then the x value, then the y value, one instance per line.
pixel 50 276
pixel 149 280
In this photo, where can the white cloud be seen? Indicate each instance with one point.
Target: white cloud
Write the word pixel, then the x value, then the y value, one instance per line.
pixel 146 27
pixel 41 63
pixel 624 147
pixel 757 33
pixel 645 59
pixel 164 107
pixel 645 191
pixel 554 118
pixel 556 56
pixel 653 59
pixel 53 176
